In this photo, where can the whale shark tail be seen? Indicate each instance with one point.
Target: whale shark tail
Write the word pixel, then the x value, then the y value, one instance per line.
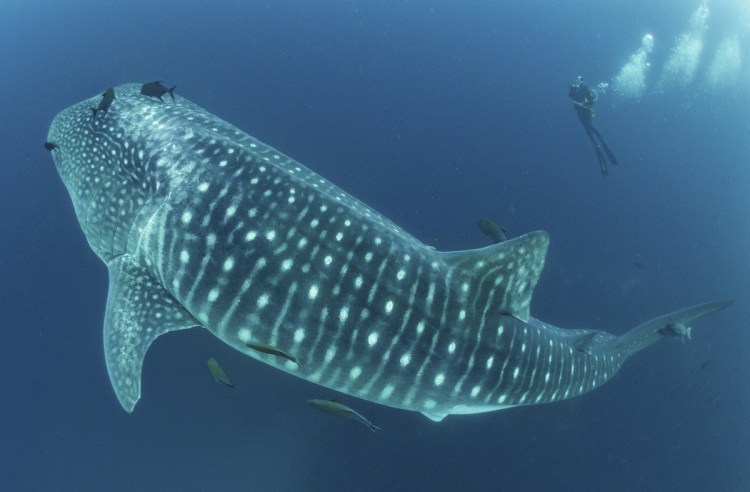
pixel 673 324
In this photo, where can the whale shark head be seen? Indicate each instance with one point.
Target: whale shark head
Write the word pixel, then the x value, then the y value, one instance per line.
pixel 106 173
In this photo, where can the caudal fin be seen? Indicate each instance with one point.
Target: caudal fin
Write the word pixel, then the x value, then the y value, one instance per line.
pixel 674 324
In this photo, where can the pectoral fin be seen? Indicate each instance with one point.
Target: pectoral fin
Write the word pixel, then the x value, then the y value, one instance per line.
pixel 139 309
pixel 435 417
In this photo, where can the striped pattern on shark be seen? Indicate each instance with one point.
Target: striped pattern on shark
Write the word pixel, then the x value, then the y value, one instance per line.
pixel 203 225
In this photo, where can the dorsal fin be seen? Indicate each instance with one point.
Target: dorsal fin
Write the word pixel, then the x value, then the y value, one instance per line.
pixel 502 276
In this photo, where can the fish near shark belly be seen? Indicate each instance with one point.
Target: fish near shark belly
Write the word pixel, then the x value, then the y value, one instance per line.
pixel 200 224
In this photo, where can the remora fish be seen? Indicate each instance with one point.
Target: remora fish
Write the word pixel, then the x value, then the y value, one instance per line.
pixel 107 99
pixel 218 373
pixel 200 224
pixel 157 89
pixel 335 408
pixel 492 230
pixel 270 350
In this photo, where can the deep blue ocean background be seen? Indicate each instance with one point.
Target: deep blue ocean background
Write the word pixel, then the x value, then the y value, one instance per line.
pixel 435 113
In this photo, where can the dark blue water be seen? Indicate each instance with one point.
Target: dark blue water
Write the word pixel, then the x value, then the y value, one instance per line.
pixel 435 113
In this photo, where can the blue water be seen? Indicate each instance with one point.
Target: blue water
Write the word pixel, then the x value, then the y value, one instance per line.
pixel 436 114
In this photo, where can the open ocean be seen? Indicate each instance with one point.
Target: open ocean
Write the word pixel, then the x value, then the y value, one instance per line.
pixel 435 113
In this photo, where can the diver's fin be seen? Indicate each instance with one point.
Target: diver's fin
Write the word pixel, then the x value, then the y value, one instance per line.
pixel 673 324
pixel 604 146
pixel 500 279
pixel 609 153
pixel 139 309
pixel 602 160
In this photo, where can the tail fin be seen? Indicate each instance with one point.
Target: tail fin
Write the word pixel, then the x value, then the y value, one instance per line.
pixel 171 91
pixel 674 324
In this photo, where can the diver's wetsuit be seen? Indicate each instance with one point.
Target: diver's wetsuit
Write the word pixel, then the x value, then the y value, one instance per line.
pixel 583 99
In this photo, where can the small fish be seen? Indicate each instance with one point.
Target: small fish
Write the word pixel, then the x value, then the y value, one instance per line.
pixel 583 343
pixel 156 89
pixel 270 350
pixel 218 373
pixel 335 408
pixel 50 146
pixel 496 233
pixel 107 98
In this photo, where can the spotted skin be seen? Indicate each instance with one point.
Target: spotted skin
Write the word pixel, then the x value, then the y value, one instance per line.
pixel 201 224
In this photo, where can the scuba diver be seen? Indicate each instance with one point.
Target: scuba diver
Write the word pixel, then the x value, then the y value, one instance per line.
pixel 583 99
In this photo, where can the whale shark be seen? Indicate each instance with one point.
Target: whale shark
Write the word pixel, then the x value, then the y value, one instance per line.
pixel 202 225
